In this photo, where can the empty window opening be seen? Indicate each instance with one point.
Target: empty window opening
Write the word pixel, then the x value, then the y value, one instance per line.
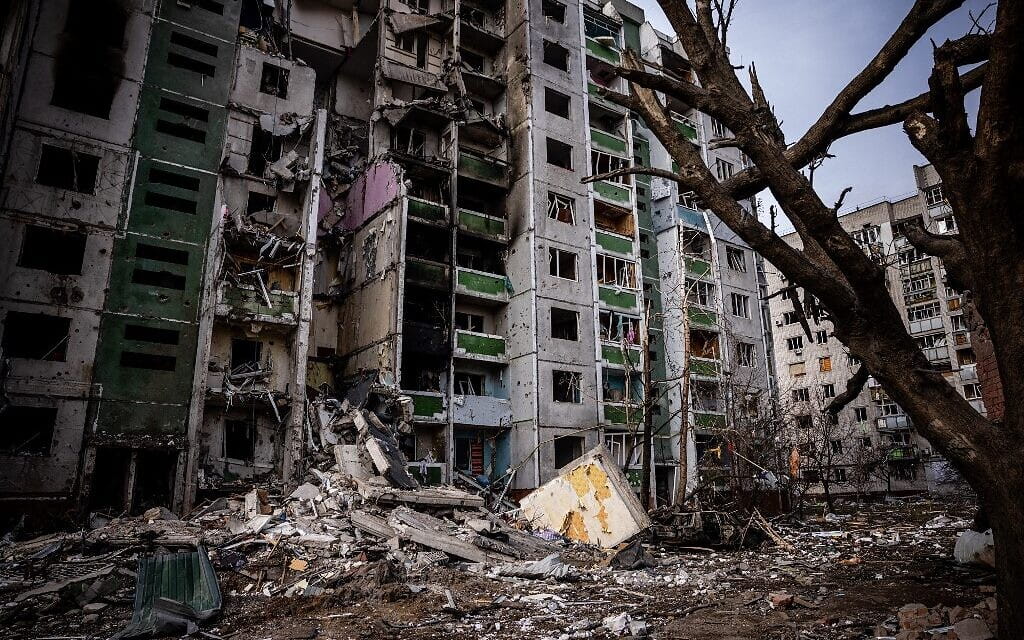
pixel 188 63
pixel 182 130
pixel 52 250
pixel 472 61
pixel 565 386
pixel 152 361
pixel 169 202
pixel 469 384
pixel 173 179
pixel 601 29
pixel 704 344
pixel 828 391
pixel 26 431
pixel 258 202
pixel 616 388
pixel 723 170
pixel 245 353
pixel 109 479
pixel 419 6
pixel 701 293
pixel 140 333
pixel 737 259
pixel 794 343
pixel 469 321
pixel 264 149
pixel 240 440
pixel 556 55
pixel 162 279
pixel 801 395
pixel 567 449
pixel 821 337
pixel 556 102
pixel 740 305
pixel 616 327
pixel 565 324
pixel 601 162
pixel 274 80
pixel 154 479
pixel 562 264
pixel 744 354
pixel 553 10
pixel 36 336
pixel 162 254
pixel 67 169
pixel 561 208
pixel 616 272
pixel 90 62
pixel 416 44
pixel 559 154
pixel 409 140
pixel 860 414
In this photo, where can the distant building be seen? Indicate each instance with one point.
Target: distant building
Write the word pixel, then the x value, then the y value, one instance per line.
pixel 811 371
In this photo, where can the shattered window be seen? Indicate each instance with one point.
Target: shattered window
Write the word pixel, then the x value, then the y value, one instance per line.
pixel 26 431
pixel 565 324
pixel 601 162
pixel 562 264
pixel 801 395
pixel 35 336
pixel 601 29
pixel 723 170
pixel 700 293
pixel 274 80
pixel 561 208
pixel 794 343
pixel 933 195
pixel 828 391
pixel 409 140
pixel 737 259
pixel 469 384
pixel 744 354
pixel 67 169
pixel 616 327
pixel 616 271
pixel 860 414
pixel 469 321
pixel 740 305
pixel 553 10
pixel 240 440
pixel 52 250
pixel 556 102
pixel 559 154
pixel 567 449
pixel 556 55
pixel 565 386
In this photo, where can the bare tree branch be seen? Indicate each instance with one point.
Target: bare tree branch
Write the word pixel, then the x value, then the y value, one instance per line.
pixel 853 388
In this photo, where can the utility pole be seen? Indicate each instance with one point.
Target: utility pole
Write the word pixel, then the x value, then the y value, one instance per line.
pixel 648 400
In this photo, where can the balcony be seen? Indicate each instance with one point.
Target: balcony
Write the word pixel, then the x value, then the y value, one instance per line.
pixel 615 242
pixel 427 406
pixel 708 420
pixel 916 268
pixel 250 304
pixel 928 324
pixel 705 367
pixel 602 52
pixel 615 193
pixel 608 142
pixel 698 267
pixel 936 354
pixel 427 273
pixel 490 287
pixel 969 373
pixel 900 453
pixel 480 346
pixel 484 169
pixel 615 297
pixel 961 338
pixel 481 224
pixel 702 317
pixel 426 210
pixel 613 354
pixel 621 413
pixel 481 411
pixel 593 89
pixel 894 423
pixel 687 127
pixel 690 217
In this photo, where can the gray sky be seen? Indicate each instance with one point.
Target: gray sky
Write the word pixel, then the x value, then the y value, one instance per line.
pixel 807 50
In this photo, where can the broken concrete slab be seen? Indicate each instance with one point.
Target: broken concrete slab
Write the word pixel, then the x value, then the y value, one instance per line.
pixel 423 496
pixel 590 502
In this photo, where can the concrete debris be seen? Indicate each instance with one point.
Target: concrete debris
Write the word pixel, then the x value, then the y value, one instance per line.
pixel 550 567
pixel 623 624
pixel 591 501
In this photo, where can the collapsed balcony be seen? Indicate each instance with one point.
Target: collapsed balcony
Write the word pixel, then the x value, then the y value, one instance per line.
pixel 258 283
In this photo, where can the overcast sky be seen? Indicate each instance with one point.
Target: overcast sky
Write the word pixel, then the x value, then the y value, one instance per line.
pixel 807 50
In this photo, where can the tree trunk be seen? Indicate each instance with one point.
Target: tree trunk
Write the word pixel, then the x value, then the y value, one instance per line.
pixel 1005 508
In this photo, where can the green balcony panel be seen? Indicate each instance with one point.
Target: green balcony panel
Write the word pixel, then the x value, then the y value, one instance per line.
pixel 709 420
pixel 611 191
pixel 612 297
pixel 479 344
pixel 426 210
pixel 426 405
pixel 614 355
pixel 704 367
pixel 614 242
pixel 622 414
pixel 473 166
pixel 485 283
pixel 156 417
pixel 599 50
pixel 250 301
pixel 426 272
pixel 698 267
pixel 608 142
pixel 687 129
pixel 703 317
pixel 481 223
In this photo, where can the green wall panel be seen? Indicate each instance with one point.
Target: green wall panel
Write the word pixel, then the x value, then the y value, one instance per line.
pixel 134 368
pixel 616 243
pixel 145 298
pixel 480 345
pixel 480 223
pixel 615 298
pixel 612 192
pixel 172 202
pixel 119 416
pixel 215 17
pixel 180 129
pixel 189 62
pixel 482 283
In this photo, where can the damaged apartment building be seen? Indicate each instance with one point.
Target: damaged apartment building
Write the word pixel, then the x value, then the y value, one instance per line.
pixel 811 370
pixel 218 210
pixel 516 305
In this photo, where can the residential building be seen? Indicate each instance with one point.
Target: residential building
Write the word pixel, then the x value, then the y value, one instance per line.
pixel 810 369
pixel 258 203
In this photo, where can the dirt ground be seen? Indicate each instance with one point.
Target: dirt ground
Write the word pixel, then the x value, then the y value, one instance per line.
pixel 846 576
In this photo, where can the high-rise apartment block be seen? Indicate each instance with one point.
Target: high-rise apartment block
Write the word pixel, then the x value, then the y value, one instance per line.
pixel 217 209
pixel 812 370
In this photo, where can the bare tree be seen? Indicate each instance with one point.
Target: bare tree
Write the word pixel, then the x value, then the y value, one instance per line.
pixel 982 173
